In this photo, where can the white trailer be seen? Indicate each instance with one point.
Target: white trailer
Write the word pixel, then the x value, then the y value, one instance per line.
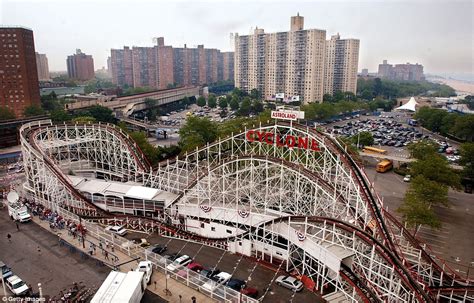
pixel 16 210
pixel 121 287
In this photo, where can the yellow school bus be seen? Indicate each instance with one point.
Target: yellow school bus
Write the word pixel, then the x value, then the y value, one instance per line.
pixel 373 150
pixel 384 165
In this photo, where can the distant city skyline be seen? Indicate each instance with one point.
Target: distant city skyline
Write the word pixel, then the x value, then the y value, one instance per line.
pixel 437 34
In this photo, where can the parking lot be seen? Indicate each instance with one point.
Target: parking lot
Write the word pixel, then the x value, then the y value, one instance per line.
pixel 392 133
pixel 454 241
pixel 257 275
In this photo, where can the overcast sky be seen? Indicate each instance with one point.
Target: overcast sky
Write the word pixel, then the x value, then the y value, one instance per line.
pixel 438 34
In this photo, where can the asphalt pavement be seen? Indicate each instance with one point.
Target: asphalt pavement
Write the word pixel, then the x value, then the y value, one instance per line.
pixel 454 242
pixel 258 276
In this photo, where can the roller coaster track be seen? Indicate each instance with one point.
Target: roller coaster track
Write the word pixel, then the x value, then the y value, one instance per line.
pixel 91 211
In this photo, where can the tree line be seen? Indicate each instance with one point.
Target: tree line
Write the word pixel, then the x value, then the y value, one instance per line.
pixel 369 88
pixel 456 125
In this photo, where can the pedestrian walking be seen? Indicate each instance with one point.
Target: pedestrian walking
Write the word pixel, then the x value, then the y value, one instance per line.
pixel 39 250
pixel 17 226
pixel 9 237
pixel 106 244
pixel 106 254
pixel 193 299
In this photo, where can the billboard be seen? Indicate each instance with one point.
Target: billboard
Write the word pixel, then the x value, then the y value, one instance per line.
pixel 280 96
pixel 287 114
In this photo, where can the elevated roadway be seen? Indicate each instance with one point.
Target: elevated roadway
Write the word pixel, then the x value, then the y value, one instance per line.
pixel 125 106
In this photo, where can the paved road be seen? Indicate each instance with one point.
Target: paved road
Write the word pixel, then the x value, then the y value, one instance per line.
pixel 55 267
pixel 454 240
pixel 240 267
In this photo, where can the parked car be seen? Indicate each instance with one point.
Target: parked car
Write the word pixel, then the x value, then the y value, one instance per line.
pixel 147 268
pixel 236 284
pixel 141 242
pixel 209 273
pixel 219 279
pixel 181 261
pixel 407 178
pixel 17 286
pixel 116 229
pixel 159 249
pixel 6 271
pixel 289 282
pixel 172 257
pixel 250 291
pixel 194 266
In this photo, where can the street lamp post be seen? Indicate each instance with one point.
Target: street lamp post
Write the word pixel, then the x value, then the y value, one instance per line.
pixel 40 290
pixel 3 283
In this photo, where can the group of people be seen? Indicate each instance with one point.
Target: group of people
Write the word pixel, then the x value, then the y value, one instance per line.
pixel 55 220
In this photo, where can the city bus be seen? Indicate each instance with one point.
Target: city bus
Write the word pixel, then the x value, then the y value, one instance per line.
pixel 373 150
pixel 384 165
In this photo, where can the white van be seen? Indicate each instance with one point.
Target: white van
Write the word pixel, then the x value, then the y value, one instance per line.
pixel 17 286
pixel 181 261
pixel 119 230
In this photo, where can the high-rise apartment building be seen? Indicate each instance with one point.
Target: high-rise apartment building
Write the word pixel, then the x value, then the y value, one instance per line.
pixel 43 68
pixel 80 66
pixel 161 66
pixel 121 66
pixel 342 58
pixel 403 72
pixel 19 86
pixel 293 63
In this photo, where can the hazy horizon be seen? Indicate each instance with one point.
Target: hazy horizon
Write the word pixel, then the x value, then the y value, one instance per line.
pixel 437 34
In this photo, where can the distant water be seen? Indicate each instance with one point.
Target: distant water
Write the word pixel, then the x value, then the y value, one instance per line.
pixel 468 77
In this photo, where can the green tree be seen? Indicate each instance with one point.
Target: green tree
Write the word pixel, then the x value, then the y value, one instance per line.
pixel 211 101
pixel 33 110
pixel 363 138
pixel 417 206
pixel 101 114
pixel 436 168
pixel 467 159
pixel 201 101
pixel 6 114
pixel 422 150
pixel 197 132
pixel 327 98
pixel 60 115
pixel 245 107
pixel 464 127
pixel 84 120
pixel 257 106
pixel 150 152
pixel 234 103
pixel 223 103
pixel 337 96
pixel 255 94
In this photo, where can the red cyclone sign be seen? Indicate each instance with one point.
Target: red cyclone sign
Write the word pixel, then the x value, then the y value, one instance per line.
pixel 286 141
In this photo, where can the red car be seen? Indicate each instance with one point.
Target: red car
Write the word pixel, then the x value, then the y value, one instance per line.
pixel 250 291
pixel 194 266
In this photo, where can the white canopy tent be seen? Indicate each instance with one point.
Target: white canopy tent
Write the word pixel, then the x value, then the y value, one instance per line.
pixel 409 106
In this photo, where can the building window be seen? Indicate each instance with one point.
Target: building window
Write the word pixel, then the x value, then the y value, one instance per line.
pixel 202 225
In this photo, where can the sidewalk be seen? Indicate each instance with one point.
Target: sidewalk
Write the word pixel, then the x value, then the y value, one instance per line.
pixel 158 279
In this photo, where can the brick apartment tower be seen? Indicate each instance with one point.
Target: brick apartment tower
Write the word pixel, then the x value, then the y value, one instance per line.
pixel 285 62
pixel 161 66
pixel 295 62
pixel 19 86
pixel 80 66
pixel 342 61
pixel 43 68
